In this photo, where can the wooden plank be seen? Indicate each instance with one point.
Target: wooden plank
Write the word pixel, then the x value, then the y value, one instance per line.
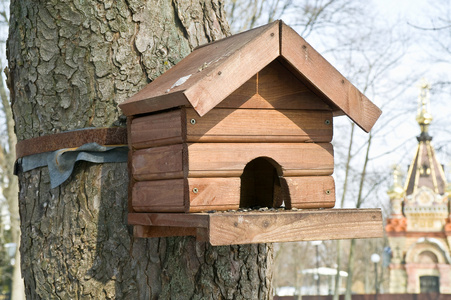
pixel 153 231
pixel 131 180
pixel 213 194
pixel 277 84
pixel 326 80
pixel 307 225
pixel 207 194
pixel 241 96
pixel 229 159
pixel 165 162
pixel 169 195
pixel 259 125
pixel 230 228
pixel 157 129
pixel 311 191
pixel 139 106
pixel 274 87
pixel 229 75
pixel 159 196
pixel 197 220
pixel 199 72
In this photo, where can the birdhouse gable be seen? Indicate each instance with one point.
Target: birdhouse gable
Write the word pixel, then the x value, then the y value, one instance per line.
pixel 213 72
pixel 272 106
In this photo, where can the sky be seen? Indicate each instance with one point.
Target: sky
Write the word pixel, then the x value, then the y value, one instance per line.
pixel 420 57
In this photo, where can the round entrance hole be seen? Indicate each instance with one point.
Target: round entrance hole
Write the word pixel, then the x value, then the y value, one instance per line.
pixel 261 185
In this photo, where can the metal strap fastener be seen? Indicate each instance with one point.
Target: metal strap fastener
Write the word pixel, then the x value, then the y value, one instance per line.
pixel 60 151
pixel 71 139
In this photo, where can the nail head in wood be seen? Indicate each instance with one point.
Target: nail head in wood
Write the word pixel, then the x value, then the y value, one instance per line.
pixel 195 190
pixel 193 121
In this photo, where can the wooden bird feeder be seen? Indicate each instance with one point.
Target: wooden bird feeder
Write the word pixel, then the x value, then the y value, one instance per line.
pixel 240 123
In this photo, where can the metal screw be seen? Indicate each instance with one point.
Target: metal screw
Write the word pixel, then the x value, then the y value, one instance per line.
pixel 219 73
pixel 327 192
pixel 193 121
pixel 195 190
pixel 327 122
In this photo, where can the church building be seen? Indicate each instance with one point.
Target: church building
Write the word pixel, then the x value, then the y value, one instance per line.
pixel 419 226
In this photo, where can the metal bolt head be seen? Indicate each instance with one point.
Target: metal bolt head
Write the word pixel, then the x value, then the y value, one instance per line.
pixel 195 190
pixel 193 121
pixel 327 122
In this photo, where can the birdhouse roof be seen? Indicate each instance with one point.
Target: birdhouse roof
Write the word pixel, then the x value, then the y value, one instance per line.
pixel 212 72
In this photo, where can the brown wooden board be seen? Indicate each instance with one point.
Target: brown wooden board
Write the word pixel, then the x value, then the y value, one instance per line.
pixel 159 196
pixel 229 159
pixel 167 162
pixel 311 191
pixel 231 125
pixel 228 228
pixel 209 74
pixel 131 180
pixel 195 220
pixel 206 194
pixel 192 195
pixel 288 227
pixel 274 87
pixel 213 194
pixel 326 80
pixel 259 125
pixel 235 70
pixel 152 231
pixel 157 129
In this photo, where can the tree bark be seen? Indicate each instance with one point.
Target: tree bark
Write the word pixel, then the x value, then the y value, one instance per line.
pixel 71 64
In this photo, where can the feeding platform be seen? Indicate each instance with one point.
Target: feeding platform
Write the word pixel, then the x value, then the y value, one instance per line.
pixel 229 228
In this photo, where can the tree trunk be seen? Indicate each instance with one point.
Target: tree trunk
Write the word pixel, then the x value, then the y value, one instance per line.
pixel 71 64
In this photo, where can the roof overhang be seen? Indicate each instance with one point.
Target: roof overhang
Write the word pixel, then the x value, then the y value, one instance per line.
pixel 213 71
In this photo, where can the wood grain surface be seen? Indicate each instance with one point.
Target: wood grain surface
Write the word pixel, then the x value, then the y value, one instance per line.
pixel 231 228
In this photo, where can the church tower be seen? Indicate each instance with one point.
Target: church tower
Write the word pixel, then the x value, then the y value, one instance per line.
pixel 419 228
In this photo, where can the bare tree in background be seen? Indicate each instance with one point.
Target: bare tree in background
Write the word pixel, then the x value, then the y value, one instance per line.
pixel 243 15
pixel 369 58
pixel 366 50
pixel 306 16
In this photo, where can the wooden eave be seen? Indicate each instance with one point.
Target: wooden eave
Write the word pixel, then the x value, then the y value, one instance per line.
pixel 213 71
